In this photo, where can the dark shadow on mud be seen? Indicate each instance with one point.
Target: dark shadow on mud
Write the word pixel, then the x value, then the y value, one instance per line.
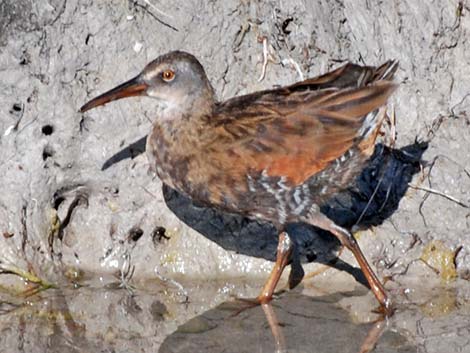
pixel 370 200
pixel 131 151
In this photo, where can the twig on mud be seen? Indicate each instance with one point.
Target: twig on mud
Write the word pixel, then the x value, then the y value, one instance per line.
pixel 435 126
pixel 435 270
pixel 456 253
pixel 452 110
pixel 264 40
pixel 240 35
pixel 153 15
pixel 29 274
pixel 393 131
pixel 126 273
pixel 370 200
pixel 15 126
pixel 387 195
pixel 157 9
pixel 24 229
pixel 440 193
pixel 295 65
pixel 431 166
pixel 466 170
pixel 423 176
pixel 80 199
pixel 26 275
pixel 376 189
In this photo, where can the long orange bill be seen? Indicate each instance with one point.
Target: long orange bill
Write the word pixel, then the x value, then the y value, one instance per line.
pixel 131 88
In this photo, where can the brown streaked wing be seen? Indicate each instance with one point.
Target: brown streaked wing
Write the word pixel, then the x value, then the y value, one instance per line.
pixel 350 76
pixel 293 137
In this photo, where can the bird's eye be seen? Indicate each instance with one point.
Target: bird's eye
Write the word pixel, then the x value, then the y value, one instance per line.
pixel 168 75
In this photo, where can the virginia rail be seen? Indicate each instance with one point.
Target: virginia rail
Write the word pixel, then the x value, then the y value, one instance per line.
pixel 275 155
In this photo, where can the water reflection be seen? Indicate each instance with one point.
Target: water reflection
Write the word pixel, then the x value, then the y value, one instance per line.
pixel 204 318
pixel 85 320
pixel 293 323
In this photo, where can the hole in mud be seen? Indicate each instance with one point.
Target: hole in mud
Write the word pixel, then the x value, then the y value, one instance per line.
pixel 135 233
pixel 114 190
pixel 47 130
pixel 25 59
pixel 57 201
pixel 17 107
pixel 159 234
pixel 47 152
pixel 285 25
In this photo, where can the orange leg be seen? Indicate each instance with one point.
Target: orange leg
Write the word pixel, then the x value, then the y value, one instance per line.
pixel 347 239
pixel 284 251
pixel 373 336
pixel 276 329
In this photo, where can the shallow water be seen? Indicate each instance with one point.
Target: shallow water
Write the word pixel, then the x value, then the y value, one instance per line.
pixel 164 317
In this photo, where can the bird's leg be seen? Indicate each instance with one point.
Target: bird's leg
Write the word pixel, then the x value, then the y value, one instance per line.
pixel 347 239
pixel 276 328
pixel 284 250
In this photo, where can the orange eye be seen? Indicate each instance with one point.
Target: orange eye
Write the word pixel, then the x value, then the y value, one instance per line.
pixel 168 75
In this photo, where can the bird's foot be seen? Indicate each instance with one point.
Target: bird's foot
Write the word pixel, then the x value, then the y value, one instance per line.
pixel 245 304
pixel 385 311
pixel 249 303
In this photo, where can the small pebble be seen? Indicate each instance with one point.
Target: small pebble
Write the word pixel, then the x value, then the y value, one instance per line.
pixel 138 47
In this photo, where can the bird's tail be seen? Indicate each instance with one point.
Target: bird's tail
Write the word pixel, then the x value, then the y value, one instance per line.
pixel 350 76
pixel 384 71
pixel 370 130
pixel 373 121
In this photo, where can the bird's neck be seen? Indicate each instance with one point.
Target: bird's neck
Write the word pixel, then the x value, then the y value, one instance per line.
pixel 182 123
pixel 174 141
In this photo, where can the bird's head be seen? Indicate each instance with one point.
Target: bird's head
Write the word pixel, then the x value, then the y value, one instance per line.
pixel 177 80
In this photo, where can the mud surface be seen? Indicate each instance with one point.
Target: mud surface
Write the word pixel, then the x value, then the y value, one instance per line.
pixel 77 201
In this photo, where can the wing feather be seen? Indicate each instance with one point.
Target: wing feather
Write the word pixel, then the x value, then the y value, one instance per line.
pixel 294 132
pixel 293 138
